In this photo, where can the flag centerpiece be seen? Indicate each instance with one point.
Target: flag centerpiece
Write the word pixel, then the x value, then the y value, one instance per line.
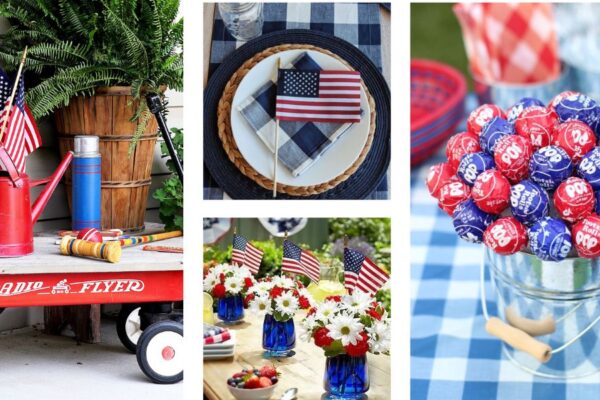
pixel 362 273
pixel 298 261
pixel 318 96
pixel 244 253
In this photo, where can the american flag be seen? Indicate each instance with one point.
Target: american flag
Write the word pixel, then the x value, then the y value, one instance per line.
pixel 244 253
pixel 360 272
pixel 21 136
pixel 300 261
pixel 318 96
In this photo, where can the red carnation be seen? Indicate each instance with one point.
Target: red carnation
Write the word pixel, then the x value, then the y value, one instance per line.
pixel 322 337
pixel 373 313
pixel 360 348
pixel 336 298
pixel 276 292
pixel 296 293
pixel 222 278
pixel 248 299
pixel 219 291
pixel 248 282
pixel 311 311
pixel 304 303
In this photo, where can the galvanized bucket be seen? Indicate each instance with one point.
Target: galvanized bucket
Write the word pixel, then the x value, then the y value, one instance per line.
pixel 548 312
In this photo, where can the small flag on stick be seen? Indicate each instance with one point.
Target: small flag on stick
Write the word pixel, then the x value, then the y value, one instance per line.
pixel 298 261
pixel 244 253
pixel 318 96
pixel 362 273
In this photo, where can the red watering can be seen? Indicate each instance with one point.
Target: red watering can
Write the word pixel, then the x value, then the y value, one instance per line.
pixel 17 216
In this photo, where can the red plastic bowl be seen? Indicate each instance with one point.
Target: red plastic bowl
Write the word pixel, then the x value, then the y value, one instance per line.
pixel 437 97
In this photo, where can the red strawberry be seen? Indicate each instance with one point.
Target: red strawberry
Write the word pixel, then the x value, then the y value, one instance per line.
pixel 264 382
pixel 219 291
pixel 360 348
pixel 252 383
pixel 268 371
pixel 322 337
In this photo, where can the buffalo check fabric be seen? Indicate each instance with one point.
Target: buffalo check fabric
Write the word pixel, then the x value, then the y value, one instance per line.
pixel 298 261
pixel 357 23
pixel 318 96
pixel 301 143
pixel 452 356
pixel 510 42
pixel 244 253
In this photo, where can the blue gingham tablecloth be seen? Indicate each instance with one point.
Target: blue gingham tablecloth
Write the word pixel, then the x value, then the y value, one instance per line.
pixel 357 23
pixel 452 357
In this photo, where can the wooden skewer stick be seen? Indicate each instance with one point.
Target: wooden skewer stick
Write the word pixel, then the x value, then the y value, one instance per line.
pixel 276 138
pixel 12 96
pixel 163 249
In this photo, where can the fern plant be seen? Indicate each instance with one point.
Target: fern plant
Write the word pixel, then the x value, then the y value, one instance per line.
pixel 76 46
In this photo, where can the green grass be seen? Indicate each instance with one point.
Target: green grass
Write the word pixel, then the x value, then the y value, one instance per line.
pixel 436 35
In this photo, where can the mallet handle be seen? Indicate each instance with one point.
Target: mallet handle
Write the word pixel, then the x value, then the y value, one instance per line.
pixel 109 251
pixel 149 238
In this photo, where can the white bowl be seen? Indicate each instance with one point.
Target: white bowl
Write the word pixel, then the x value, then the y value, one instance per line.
pixel 252 394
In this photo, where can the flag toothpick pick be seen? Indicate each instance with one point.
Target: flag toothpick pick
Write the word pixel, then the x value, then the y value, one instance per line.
pixel 12 96
pixel 276 156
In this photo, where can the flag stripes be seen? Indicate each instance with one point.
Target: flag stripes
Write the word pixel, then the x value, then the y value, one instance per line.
pixel 298 261
pixel 362 273
pixel 244 253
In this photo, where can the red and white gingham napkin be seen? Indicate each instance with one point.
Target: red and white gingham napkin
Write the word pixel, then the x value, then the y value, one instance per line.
pixel 510 43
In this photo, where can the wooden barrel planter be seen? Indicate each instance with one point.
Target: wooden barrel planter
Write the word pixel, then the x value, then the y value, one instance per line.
pixel 125 179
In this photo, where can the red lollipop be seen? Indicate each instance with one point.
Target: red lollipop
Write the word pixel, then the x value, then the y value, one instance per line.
pixel 557 99
pixel 574 199
pixel 575 137
pixel 505 236
pixel 438 176
pixel 491 191
pixel 459 145
pixel 586 236
pixel 537 124
pixel 511 156
pixel 452 194
pixel 481 115
pixel 90 235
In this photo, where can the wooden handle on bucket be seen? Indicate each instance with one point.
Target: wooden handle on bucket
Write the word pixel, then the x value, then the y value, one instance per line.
pixel 109 251
pixel 518 339
pixel 532 327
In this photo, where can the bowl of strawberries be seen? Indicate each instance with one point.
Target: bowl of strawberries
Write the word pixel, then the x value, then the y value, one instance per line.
pixel 253 383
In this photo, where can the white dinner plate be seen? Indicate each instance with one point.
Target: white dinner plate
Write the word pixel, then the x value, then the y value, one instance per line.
pixel 337 159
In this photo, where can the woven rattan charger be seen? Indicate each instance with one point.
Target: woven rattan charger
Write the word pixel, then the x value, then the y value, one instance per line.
pixel 231 148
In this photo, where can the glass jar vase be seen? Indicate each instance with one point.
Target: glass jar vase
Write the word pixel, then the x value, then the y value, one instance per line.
pixel 230 309
pixel 279 337
pixel 346 377
pixel 244 21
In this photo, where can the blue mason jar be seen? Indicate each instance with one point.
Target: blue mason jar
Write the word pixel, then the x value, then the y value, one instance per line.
pixel 279 337
pixel 346 377
pixel 231 309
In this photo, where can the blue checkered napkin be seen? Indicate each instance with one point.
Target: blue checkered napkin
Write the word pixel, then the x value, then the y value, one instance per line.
pixel 301 144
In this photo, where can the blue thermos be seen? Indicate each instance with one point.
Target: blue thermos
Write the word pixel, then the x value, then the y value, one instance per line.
pixel 87 175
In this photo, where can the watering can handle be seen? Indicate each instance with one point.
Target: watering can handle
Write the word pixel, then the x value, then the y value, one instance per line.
pixel 8 163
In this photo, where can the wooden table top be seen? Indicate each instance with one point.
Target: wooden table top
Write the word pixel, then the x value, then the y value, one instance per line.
pixel 47 259
pixel 304 370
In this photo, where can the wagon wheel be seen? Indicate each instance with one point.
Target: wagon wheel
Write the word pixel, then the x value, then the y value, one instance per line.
pixel 160 352
pixel 129 326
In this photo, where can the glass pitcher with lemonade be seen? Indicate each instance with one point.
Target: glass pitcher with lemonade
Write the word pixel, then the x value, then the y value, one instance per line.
pixel 329 284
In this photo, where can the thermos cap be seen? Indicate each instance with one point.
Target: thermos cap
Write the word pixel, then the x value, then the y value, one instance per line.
pixel 87 146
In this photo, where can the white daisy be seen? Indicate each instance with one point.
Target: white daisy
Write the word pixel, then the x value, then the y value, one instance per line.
pixel 306 327
pixel 261 288
pixel 359 302
pixel 260 305
pixel 234 285
pixel 284 282
pixel 210 281
pixel 345 328
pixel 380 336
pixel 244 272
pixel 286 303
pixel 326 310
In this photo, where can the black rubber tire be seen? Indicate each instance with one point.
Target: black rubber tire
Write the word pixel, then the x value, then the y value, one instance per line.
pixel 145 339
pixel 124 314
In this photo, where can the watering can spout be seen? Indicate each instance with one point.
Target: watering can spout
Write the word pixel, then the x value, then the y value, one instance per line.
pixel 51 184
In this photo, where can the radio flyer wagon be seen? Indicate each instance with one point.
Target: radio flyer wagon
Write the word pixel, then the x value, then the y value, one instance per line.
pixel 147 284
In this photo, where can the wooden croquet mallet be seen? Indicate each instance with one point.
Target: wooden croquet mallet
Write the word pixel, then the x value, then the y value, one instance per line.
pixel 133 241
pixel 109 251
